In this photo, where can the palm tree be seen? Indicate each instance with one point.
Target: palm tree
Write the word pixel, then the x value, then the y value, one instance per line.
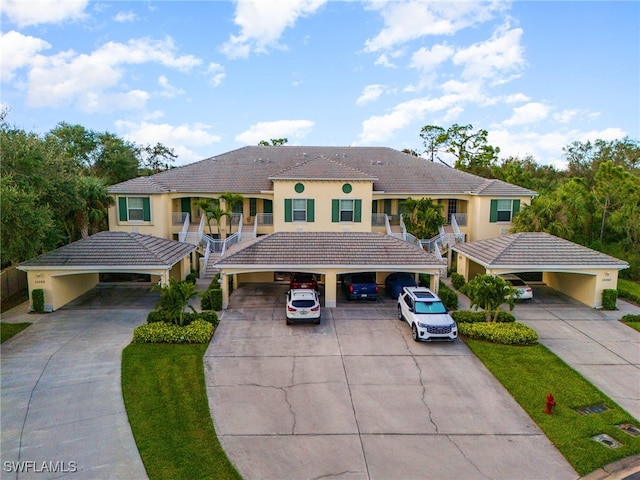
pixel 231 200
pixel 92 209
pixel 175 298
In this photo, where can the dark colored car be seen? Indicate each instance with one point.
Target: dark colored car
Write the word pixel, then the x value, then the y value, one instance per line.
pixel 303 280
pixel 360 285
pixel 395 282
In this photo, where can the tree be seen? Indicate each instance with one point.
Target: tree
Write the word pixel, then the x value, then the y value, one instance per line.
pixel 613 187
pixel 156 159
pixel 275 142
pixel 230 201
pixel 434 139
pixel 213 211
pixel 90 216
pixel 423 218
pixel 78 144
pixel 489 293
pixel 117 160
pixel 175 297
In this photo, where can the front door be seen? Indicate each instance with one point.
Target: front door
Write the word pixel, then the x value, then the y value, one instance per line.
pixel 185 206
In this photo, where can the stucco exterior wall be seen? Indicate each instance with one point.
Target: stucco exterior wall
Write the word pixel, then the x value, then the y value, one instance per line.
pixel 322 192
pixel 479 211
pixel 60 287
pixel 160 224
pixel 586 288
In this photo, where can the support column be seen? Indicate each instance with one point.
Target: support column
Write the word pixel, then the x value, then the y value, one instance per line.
pixel 434 284
pixel 225 290
pixel 330 289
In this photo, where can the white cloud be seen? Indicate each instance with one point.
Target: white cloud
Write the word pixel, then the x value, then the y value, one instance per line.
pixel 216 73
pixel 35 12
pixel 517 98
pixel 109 102
pixel 380 128
pixel 168 90
pixel 409 20
pixel 493 58
pixel 182 138
pixel 17 51
pixel 290 129
pixel 427 59
pixel 125 17
pixel 67 76
pixel 262 23
pixel 565 116
pixel 530 113
pixel 370 94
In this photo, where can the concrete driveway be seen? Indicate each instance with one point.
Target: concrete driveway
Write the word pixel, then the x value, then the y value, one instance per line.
pixel 605 351
pixel 356 398
pixel 62 408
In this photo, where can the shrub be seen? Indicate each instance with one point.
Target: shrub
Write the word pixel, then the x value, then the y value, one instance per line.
pixel 469 316
pixel 211 299
pixel 457 280
pixel 209 316
pixel 37 299
pixel 424 280
pixel 449 297
pixel 215 283
pixel 160 316
pixel 609 299
pixel 630 318
pixel 191 278
pixel 502 333
pixel 199 331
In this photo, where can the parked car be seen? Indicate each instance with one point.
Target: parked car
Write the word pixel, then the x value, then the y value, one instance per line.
pixel 303 280
pixel 395 282
pixel 426 314
pixel 303 304
pixel 524 291
pixel 360 286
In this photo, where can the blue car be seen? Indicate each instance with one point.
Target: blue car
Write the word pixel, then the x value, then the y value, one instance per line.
pixel 395 282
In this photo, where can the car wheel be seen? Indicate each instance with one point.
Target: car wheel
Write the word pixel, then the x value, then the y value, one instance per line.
pixel 289 321
pixel 414 333
pixel 316 321
pixel 400 313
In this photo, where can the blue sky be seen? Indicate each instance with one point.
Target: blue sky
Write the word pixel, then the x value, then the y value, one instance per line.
pixel 205 77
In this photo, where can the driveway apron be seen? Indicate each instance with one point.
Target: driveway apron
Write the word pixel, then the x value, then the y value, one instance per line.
pixel 62 408
pixel 356 398
pixel 605 351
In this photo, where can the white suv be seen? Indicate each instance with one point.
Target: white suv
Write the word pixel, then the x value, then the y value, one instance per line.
pixel 425 312
pixel 303 304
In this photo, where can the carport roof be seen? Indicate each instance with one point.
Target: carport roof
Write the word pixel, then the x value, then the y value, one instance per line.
pixel 114 249
pixel 535 251
pixel 328 249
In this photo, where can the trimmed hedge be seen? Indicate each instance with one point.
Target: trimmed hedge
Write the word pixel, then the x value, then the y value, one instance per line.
pixel 37 299
pixel 469 316
pixel 198 331
pixel 211 299
pixel 610 299
pixel 630 318
pixel 189 317
pixel 191 278
pixel 502 333
pixel 449 297
pixel 457 280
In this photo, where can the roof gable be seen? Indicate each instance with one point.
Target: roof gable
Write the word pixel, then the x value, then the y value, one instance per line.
pixel 322 168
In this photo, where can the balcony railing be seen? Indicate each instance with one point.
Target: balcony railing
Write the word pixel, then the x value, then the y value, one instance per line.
pixel 263 219
pixel 378 219
pixel 178 218
pixel 460 219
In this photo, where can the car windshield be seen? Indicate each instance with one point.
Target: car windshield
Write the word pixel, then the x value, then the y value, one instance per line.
pixel 303 303
pixel 430 307
pixel 517 282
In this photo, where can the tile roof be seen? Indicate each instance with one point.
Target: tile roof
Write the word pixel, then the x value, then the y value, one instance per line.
pixel 329 249
pixel 119 249
pixel 251 169
pixel 535 250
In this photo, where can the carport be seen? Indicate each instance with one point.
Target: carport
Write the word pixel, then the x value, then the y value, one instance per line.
pixel 324 253
pixel 69 271
pixel 575 270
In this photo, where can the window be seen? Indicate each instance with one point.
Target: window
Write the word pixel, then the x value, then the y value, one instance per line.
pixel 346 210
pixel 134 209
pixel 253 207
pixel 267 206
pixel 299 210
pixel 503 210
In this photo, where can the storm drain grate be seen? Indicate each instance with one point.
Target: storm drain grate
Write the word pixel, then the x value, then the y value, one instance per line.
pixel 607 441
pixel 629 428
pixel 599 408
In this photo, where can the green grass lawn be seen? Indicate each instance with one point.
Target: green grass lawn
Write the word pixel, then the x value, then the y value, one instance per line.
pixel 530 373
pixel 8 330
pixel 632 289
pixel 633 324
pixel 166 401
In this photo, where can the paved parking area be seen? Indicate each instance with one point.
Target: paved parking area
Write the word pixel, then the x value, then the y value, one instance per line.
pixel 356 398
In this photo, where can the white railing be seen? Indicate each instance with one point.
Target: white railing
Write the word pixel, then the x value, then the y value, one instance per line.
pixel 203 220
pixel 431 244
pixel 179 217
pixel 387 224
pixel 378 219
pixel 204 261
pixel 263 219
pixel 182 236
pixel 437 253
pixel 460 218
pixel 229 241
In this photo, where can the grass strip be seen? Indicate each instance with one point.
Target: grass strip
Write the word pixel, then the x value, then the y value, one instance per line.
pixel 166 400
pixel 633 324
pixel 530 373
pixel 8 330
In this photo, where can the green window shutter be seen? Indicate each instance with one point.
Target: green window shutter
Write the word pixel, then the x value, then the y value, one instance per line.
pixel 374 206
pixel 515 208
pixel 146 209
pixel 267 205
pixel 493 213
pixel 122 208
pixel 253 206
pixel 310 209
pixel 335 210
pixel 357 213
pixel 288 210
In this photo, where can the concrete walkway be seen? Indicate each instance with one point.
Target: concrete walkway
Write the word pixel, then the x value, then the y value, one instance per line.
pixel 61 398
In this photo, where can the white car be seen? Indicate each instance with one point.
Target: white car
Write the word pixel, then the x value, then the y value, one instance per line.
pixel 303 304
pixel 426 314
pixel 524 291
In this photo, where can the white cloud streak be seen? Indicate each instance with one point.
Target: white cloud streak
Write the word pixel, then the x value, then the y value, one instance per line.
pixel 370 94
pixel 291 129
pixel 18 51
pixel 36 12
